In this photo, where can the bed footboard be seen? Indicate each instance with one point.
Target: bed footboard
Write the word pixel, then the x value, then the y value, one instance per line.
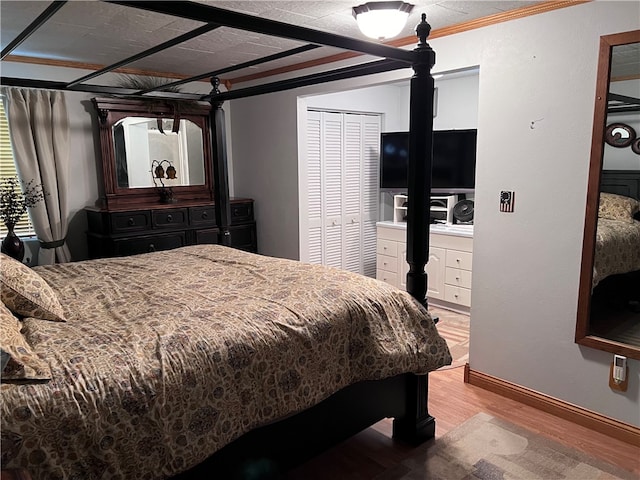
pixel 273 449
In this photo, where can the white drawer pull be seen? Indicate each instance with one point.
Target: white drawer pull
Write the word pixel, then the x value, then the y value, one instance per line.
pixel 458 260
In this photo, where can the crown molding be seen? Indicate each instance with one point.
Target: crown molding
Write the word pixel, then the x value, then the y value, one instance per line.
pixel 481 22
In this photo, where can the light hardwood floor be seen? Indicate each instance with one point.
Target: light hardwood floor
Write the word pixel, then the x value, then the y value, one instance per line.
pixel 451 402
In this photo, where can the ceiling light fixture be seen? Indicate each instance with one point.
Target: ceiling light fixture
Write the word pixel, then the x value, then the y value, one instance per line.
pixel 382 20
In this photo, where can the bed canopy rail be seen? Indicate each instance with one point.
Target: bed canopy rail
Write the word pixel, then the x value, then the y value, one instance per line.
pixel 421 59
pixel 617 103
pixel 417 424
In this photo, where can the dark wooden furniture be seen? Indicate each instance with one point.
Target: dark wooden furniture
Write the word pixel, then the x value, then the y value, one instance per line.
pixel 15 474
pixel 114 233
pixel 112 111
pixel 349 413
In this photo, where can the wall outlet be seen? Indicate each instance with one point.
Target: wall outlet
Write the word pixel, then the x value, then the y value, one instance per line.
pixel 619 373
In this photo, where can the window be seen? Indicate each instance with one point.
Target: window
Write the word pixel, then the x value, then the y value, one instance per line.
pixel 7 170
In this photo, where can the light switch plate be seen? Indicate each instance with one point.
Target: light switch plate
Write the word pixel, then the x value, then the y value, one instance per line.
pixel 507 201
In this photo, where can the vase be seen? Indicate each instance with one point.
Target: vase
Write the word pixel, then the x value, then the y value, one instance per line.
pixel 12 245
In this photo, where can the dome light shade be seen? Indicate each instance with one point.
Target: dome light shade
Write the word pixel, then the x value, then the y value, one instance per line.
pixel 382 20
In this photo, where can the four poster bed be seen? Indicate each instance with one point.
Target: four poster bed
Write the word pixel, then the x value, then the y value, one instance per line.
pixel 217 362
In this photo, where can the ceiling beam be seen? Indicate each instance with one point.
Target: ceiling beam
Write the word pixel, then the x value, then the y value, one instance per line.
pixel 207 13
pixel 353 71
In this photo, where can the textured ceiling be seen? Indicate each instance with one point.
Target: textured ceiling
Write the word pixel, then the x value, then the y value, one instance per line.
pixel 102 33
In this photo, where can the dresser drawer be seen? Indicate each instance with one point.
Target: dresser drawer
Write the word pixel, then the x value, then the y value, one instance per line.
pixel 207 235
pixel 244 237
pixel 174 218
pixel 459 295
pixel 387 247
pixel 390 278
pixel 241 212
pixel 199 216
pixel 387 263
pixel 458 259
pixel 458 277
pixel 148 243
pixel 123 222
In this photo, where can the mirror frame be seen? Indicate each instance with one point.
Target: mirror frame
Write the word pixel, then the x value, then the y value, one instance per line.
pixel 583 335
pixel 110 111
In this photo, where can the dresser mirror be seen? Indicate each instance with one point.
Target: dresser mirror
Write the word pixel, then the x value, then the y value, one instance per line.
pixel 139 141
pixel 608 316
pixel 149 147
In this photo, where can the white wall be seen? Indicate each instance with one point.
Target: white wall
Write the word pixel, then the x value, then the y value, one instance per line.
pixel 537 85
pixel 536 95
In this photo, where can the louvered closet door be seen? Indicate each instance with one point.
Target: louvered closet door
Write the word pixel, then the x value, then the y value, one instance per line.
pixel 352 193
pixel 315 242
pixel 370 189
pixel 342 190
pixel 332 188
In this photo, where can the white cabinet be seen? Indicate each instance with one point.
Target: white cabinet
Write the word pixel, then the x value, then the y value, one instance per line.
pixel 339 199
pixel 436 272
pixel 448 269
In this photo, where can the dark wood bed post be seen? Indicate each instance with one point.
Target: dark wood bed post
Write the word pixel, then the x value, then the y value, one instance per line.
pixel 220 170
pixel 418 425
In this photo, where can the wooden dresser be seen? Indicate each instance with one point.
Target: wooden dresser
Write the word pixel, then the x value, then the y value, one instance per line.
pixel 115 233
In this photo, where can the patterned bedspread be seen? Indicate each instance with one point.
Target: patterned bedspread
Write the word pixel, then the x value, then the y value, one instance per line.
pixel 617 249
pixel 168 356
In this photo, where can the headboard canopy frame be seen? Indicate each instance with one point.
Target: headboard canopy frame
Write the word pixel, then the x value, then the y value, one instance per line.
pixel 417 424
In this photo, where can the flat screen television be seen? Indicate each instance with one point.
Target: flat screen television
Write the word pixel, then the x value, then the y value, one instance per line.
pixel 453 167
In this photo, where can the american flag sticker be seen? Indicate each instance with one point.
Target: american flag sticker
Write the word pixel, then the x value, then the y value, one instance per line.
pixel 507 201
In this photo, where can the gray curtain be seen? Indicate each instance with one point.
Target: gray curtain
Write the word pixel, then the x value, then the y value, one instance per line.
pixel 39 129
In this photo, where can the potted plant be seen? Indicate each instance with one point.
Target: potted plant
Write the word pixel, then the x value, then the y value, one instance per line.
pixel 14 201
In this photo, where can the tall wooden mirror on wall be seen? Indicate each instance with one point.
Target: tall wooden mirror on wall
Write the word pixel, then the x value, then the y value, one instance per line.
pixel 609 296
pixel 154 152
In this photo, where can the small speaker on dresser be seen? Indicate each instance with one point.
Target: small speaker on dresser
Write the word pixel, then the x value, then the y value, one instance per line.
pixel 463 212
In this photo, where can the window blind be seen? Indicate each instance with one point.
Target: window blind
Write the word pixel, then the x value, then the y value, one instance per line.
pixel 8 170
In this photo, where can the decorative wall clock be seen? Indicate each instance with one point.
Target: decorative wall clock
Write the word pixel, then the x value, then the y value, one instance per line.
pixel 619 135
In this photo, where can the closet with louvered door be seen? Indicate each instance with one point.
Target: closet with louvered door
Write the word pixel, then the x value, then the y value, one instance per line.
pixel 339 206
